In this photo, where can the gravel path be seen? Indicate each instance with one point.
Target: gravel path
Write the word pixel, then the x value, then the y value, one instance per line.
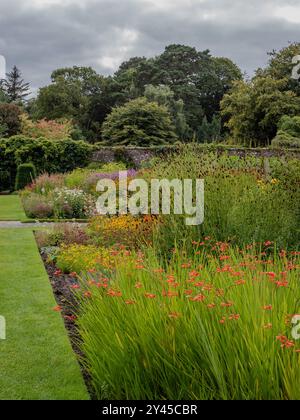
pixel 17 225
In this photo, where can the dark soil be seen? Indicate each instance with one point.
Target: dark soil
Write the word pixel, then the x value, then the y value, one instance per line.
pixel 65 298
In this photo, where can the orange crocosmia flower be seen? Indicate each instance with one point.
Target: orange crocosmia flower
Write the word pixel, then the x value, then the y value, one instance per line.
pixel 73 274
pixel 282 283
pixel 222 321
pixel 271 274
pixel 194 274
pixel 240 282
pixel 138 285
pixel 130 302
pixel 158 270
pixel 234 317
pixel 281 338
pixel 75 286
pixel 268 243
pixel 198 298
pixel 224 257
pixel 199 284
pixel 188 292
pixel 226 304
pixel 57 308
pixel 211 305
pixel 268 326
pixel 186 265
pixel 92 271
pixel 174 315
pixel 150 296
pixel 102 285
pixel 171 294
pixel 87 294
pixel 297 351
pixel 208 287
pixel 139 267
pixel 114 293
pixel 268 308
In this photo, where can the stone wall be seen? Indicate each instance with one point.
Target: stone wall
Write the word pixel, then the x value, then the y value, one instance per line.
pixel 136 156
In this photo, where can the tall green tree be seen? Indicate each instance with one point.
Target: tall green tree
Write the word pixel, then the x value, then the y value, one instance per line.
pixel 77 93
pixel 254 109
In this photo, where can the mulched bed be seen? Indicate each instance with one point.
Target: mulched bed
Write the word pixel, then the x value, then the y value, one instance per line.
pixel 64 296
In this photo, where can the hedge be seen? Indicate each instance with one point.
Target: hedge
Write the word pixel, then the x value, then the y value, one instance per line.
pixel 26 173
pixel 46 155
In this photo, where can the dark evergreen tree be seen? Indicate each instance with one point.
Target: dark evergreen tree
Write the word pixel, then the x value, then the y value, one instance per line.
pixel 15 87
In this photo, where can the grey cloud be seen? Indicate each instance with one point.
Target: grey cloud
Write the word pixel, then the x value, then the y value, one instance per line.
pixel 102 33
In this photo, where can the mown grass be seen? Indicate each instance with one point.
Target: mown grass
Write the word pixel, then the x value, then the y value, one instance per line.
pixel 37 361
pixel 11 208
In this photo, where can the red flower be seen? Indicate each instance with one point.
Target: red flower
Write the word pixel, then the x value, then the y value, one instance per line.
pixel 198 298
pixel 75 286
pixel 268 243
pixel 58 273
pixel 57 308
pixel 150 296
pixel 268 308
pixel 234 317
pixel 130 302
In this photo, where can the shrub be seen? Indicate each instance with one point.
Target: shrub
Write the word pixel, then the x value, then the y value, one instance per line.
pixel 52 130
pixel 26 173
pixel 10 120
pixel 47 156
pixel 288 135
pixel 37 206
pixel 73 203
pixel 139 123
pixel 62 233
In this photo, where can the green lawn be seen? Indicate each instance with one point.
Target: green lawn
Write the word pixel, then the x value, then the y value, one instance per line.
pixel 36 359
pixel 11 208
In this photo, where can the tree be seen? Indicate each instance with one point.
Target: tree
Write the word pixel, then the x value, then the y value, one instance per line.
pixel 254 109
pixel 288 134
pixel 281 64
pixel 15 87
pixel 76 93
pixel 210 131
pixel 163 95
pixel 139 123
pixel 10 120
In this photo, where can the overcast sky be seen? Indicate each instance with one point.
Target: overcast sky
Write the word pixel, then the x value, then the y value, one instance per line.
pixel 42 35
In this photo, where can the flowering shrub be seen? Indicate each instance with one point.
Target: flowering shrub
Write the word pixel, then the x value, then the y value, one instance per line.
pixel 214 324
pixel 73 203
